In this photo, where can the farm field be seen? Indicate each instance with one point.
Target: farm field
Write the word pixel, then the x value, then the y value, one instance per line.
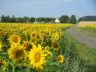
pixel 42 48
pixel 37 48
pixel 47 36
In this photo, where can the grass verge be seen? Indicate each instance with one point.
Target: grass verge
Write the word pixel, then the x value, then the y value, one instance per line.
pixel 86 54
pixel 89 31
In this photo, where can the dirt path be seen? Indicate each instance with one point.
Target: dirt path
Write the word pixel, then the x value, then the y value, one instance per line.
pixel 81 37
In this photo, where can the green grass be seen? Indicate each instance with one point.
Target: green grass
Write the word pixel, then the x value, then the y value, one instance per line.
pixel 89 31
pixel 87 54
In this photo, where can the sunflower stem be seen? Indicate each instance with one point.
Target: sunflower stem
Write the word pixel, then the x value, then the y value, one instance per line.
pixel 14 67
pixel 29 69
pixel 4 70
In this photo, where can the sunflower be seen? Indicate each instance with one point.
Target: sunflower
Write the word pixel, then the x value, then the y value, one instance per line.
pixel 46 34
pixel 16 53
pixel 56 35
pixel 28 46
pixel 34 34
pixel 47 52
pixel 39 38
pixel 2 62
pixel 47 48
pixel 33 40
pixel 37 57
pixel 0 46
pixel 1 33
pixel 13 39
pixel 55 46
pixel 60 58
pixel 40 33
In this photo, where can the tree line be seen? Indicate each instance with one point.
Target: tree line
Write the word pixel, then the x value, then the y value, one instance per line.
pixel 67 19
pixel 13 19
pixel 87 18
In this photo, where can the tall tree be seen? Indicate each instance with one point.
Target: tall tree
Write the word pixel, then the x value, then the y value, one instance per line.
pixel 7 18
pixel 26 19
pixel 19 20
pixel 47 20
pixel 52 20
pixel 2 18
pixel 64 19
pixel 32 19
pixel 13 19
pixel 72 19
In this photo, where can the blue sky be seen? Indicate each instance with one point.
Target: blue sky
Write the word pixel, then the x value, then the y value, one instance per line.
pixel 47 8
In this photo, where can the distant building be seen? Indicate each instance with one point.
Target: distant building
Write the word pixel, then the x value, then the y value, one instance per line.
pixel 57 20
pixel 35 21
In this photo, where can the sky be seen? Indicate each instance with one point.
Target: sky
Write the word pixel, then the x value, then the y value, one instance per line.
pixel 48 8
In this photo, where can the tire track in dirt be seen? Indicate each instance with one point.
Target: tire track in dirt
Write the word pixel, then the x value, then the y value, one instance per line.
pixel 81 37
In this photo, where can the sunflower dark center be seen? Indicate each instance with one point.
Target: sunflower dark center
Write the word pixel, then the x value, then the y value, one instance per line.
pixel 55 45
pixel 18 53
pixel 15 39
pixel 27 46
pixel 37 57
pixel 59 58
pixel 1 63
pixel 33 35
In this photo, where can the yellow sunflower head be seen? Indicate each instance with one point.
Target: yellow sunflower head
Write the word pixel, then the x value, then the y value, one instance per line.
pixel 0 46
pixel 46 34
pixel 36 57
pixel 55 46
pixel 40 33
pixel 33 40
pixel 16 53
pixel 28 46
pixel 14 39
pixel 56 36
pixel 33 34
pixel 47 52
pixel 1 33
pixel 39 39
pixel 47 48
pixel 60 58
pixel 3 63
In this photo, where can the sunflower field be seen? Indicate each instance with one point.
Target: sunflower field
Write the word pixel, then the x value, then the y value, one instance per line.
pixel 37 48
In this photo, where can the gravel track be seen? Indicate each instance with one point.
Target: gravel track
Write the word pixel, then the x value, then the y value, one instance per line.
pixel 81 37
